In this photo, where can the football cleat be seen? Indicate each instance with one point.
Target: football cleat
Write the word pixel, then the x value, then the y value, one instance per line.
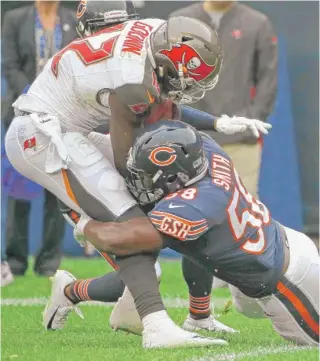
pixel 124 315
pixel 207 324
pixel 170 335
pixel 59 306
pixel 6 274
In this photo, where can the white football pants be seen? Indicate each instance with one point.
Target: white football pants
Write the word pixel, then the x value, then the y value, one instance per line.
pixel 294 309
pixel 91 184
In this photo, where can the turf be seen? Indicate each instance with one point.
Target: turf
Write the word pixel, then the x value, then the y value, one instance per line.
pixel 23 337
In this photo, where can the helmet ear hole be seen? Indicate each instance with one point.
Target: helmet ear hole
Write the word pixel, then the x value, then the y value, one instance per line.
pixel 185 38
pixel 185 152
pixel 172 178
pixel 171 73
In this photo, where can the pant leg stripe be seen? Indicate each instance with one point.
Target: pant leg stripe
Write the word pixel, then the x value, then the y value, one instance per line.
pixel 299 307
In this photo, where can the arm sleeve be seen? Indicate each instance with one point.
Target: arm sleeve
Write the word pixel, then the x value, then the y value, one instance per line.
pixel 142 101
pixel 197 118
pixel 266 63
pixel 10 55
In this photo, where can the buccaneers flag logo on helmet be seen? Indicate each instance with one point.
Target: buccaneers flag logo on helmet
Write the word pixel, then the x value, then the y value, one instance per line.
pixel 192 63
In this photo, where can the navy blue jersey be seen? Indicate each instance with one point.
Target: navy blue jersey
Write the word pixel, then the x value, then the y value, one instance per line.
pixel 218 224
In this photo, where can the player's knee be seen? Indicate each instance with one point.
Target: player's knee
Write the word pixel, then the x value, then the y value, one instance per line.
pixel 103 143
pixel 245 305
pixel 16 144
pixel 83 153
pixel 250 309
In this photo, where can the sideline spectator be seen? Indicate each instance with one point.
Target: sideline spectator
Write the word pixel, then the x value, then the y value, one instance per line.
pixel 30 36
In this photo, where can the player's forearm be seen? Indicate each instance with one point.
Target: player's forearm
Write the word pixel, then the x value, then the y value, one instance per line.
pixel 197 118
pixel 130 237
pixel 121 132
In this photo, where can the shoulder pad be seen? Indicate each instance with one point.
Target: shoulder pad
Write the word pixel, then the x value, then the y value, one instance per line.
pixel 179 219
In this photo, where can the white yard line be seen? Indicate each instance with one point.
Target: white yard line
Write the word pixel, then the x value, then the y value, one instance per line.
pixel 41 301
pixel 262 351
pixel 173 303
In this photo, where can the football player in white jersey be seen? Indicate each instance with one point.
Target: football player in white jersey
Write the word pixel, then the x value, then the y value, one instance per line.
pixel 120 74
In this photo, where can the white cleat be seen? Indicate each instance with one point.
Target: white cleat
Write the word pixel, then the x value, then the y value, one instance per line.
pixel 174 336
pixel 124 315
pixel 206 324
pixel 6 274
pixel 59 306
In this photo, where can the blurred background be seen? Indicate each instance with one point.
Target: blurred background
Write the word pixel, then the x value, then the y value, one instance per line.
pixel 289 171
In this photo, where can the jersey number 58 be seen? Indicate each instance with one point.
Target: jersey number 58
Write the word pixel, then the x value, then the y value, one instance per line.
pixel 255 214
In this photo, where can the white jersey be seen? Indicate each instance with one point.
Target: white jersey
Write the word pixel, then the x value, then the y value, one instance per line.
pixel 76 82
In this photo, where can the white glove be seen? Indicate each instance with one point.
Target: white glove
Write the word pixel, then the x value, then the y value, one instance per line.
pixel 235 124
pixel 79 229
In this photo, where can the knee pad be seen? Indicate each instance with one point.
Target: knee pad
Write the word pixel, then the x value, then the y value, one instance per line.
pixel 83 153
pixel 103 143
pixel 97 186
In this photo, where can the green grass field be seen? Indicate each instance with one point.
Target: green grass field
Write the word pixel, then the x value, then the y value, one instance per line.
pixel 91 339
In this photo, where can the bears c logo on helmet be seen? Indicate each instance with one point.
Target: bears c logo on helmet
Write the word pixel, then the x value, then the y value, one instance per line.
pixel 169 157
pixel 82 7
pixel 193 65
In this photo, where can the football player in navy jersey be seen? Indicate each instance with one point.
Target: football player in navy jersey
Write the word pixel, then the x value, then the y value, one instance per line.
pixel 163 68
pixel 203 211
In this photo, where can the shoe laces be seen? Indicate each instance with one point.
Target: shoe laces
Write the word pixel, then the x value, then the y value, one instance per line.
pixel 64 313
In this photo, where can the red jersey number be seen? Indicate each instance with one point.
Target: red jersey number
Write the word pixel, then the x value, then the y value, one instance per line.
pixel 85 52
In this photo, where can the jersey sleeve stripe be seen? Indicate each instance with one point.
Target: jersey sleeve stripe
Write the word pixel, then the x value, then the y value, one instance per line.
pixel 178 227
pixel 156 222
pixel 180 238
pixel 192 232
pixel 198 231
pixel 180 219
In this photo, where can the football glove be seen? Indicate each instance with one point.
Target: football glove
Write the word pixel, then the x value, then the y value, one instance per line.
pixel 78 230
pixel 233 125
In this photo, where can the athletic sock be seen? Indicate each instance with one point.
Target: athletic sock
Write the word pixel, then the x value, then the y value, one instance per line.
pixel 199 307
pixel 107 288
pixel 200 284
pixel 138 273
